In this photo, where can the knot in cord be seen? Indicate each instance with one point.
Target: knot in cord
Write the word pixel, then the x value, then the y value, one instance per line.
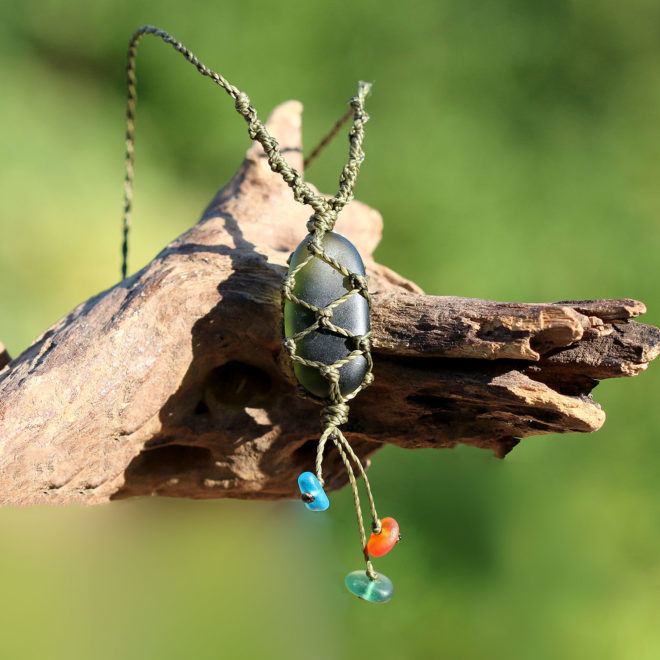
pixel 290 346
pixel 322 221
pixel 358 282
pixel 361 343
pixel 323 316
pixel 329 372
pixel 288 283
pixel 335 414
pixel 242 103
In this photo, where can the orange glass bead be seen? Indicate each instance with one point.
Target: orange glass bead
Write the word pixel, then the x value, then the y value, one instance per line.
pixel 381 544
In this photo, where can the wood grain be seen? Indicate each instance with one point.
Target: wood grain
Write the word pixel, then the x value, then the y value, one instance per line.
pixel 174 382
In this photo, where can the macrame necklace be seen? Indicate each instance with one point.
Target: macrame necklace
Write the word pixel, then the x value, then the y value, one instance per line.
pixel 326 306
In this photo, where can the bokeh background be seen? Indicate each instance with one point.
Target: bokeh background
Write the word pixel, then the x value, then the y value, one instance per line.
pixel 514 152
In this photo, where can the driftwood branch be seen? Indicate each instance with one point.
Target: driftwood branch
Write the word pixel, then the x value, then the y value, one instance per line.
pixel 174 383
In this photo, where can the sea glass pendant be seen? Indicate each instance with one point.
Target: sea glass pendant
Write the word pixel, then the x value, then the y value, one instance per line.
pixel 312 492
pixel 319 284
pixel 381 544
pixel 379 590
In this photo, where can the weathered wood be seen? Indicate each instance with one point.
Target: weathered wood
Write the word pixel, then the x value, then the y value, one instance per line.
pixel 4 356
pixel 174 382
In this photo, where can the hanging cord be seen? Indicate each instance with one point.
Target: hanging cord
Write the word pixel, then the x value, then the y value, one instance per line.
pixel 343 447
pixel 335 411
pixel 257 131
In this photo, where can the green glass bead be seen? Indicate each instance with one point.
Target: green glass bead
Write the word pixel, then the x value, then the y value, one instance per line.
pixel 319 284
pixel 379 590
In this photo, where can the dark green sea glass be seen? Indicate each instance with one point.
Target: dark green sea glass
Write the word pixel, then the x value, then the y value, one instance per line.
pixel 320 284
pixel 379 590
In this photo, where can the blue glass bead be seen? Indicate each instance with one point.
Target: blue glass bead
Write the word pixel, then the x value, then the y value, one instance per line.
pixel 379 590
pixel 310 487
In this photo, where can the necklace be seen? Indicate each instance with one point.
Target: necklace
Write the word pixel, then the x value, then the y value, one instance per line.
pixel 326 305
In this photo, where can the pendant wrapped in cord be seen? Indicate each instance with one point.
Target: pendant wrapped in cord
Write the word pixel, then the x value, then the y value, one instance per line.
pixel 327 332
pixel 325 318
pixel 325 298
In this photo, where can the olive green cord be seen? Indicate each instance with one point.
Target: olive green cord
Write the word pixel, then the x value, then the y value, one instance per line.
pixel 325 208
pixel 335 411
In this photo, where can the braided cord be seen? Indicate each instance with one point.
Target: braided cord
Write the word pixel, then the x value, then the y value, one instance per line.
pixel 257 131
pixel 335 411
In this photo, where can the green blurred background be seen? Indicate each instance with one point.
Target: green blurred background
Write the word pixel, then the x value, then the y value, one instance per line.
pixel 514 152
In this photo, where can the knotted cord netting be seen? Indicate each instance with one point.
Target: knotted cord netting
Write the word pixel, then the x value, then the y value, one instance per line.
pixel 335 406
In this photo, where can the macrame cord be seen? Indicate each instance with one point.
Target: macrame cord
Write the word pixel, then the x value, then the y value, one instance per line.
pixel 335 407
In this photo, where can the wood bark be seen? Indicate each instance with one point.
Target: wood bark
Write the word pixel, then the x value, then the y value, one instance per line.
pixel 174 381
